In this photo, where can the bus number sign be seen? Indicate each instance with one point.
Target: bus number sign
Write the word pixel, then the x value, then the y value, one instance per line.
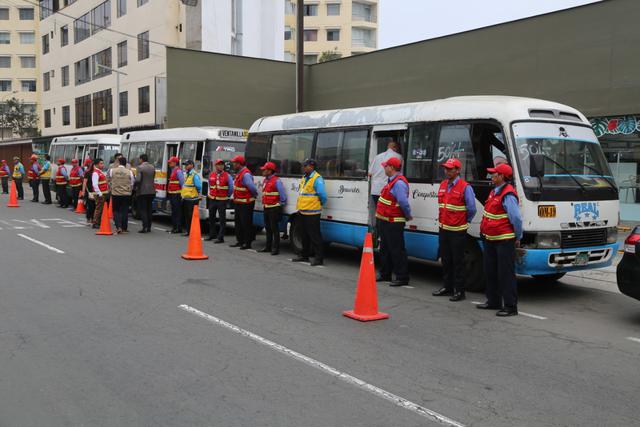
pixel 547 211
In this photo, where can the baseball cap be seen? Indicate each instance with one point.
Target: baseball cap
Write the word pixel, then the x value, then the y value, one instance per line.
pixel 188 162
pixel 394 162
pixel 452 163
pixel 269 165
pixel 503 169
pixel 309 162
pixel 173 159
pixel 219 161
pixel 87 161
pixel 60 160
pixel 238 159
pixel 74 161
pixel 34 157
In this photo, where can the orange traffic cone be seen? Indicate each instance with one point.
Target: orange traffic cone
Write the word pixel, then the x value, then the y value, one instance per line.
pixel 105 224
pixel 110 210
pixel 80 209
pixel 13 196
pixel 194 247
pixel 366 304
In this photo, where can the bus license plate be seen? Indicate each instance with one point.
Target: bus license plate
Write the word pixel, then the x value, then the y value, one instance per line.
pixel 547 211
pixel 582 258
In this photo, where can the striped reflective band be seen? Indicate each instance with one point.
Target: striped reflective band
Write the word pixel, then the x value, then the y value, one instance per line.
pixel 309 194
pixel 501 236
pixel 386 202
pixel 452 207
pixel 241 189
pixel 495 216
pixel 272 206
pixel 220 187
pixel 454 228
pixel 384 218
pixel 273 193
pixel 367 250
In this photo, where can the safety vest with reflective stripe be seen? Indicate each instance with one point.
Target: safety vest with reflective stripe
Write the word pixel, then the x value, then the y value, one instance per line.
pixel 46 174
pixel 388 209
pixel 495 223
pixel 270 193
pixel 219 186
pixel 174 182
pixel 189 190
pixel 241 193
pixel 33 174
pixel 4 171
pixel 60 179
pixel 16 171
pixel 102 181
pixel 75 177
pixel 452 210
pixel 308 200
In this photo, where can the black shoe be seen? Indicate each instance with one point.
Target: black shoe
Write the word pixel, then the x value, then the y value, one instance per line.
pixel 144 230
pixel 396 283
pixel 442 292
pixel 458 296
pixel 245 247
pixel 95 226
pixel 506 312
pixel 185 234
pixel 208 239
pixel 300 259
pixel 46 203
pixel 381 278
pixel 219 241
pixel 235 245
pixel 316 262
pixel 175 231
pixel 33 200
pixel 264 250
pixel 487 306
pixel 275 252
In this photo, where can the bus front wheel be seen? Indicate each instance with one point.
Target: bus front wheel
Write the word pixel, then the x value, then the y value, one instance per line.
pixel 475 280
pixel 548 278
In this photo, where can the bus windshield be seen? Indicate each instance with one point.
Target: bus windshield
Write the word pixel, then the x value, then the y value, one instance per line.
pixel 225 150
pixel 106 153
pixel 573 156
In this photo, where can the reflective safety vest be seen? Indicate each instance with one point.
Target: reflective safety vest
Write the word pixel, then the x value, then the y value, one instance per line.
pixel 452 210
pixel 495 223
pixel 218 186
pixel 174 182
pixel 60 179
pixel 16 171
pixel 241 193
pixel 102 181
pixel 308 200
pixel 33 174
pixel 4 171
pixel 270 193
pixel 388 208
pixel 46 174
pixel 75 177
pixel 189 190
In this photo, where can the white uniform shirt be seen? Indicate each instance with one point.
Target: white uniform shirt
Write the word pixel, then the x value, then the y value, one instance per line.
pixel 378 177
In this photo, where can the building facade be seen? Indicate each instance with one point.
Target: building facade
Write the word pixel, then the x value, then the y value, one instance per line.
pixel 19 43
pixel 344 27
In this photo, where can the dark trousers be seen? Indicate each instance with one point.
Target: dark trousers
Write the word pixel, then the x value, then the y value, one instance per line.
pixel 452 244
pixel 500 269
pixel 46 189
pixel 5 184
pixel 272 217
pixel 311 236
pixel 244 223
pixel 99 207
pixel 35 187
pixel 75 195
pixel 175 200
pixel 91 208
pixel 217 213
pixel 121 211
pixel 145 207
pixel 187 206
pixel 19 189
pixel 393 255
pixel 61 191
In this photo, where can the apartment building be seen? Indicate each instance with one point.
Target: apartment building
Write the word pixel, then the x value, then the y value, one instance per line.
pixel 103 62
pixel 346 27
pixel 18 60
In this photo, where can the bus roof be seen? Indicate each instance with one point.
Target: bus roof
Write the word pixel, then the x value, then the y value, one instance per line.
pixel 504 108
pixel 99 138
pixel 187 134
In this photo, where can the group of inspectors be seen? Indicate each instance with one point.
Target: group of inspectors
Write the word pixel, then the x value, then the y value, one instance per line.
pixel 501 226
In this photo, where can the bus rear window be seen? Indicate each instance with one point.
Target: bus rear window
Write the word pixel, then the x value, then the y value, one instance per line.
pixel 288 152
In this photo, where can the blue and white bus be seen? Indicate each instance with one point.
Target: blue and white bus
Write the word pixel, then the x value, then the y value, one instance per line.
pixel 567 195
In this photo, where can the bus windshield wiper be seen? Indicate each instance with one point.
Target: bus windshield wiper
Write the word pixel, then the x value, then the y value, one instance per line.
pixel 584 189
pixel 611 184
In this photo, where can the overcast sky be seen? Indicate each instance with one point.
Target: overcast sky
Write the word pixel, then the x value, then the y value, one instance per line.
pixel 406 21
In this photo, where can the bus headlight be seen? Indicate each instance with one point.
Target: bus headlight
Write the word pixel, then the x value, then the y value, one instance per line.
pixel 548 240
pixel 612 234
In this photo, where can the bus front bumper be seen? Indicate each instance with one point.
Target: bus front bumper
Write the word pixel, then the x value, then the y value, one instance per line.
pixel 551 261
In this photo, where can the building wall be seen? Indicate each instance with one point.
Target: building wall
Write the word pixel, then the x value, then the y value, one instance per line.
pixel 15 49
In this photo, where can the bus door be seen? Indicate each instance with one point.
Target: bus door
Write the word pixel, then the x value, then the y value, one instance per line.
pixel 92 153
pixel 79 154
pixel 171 151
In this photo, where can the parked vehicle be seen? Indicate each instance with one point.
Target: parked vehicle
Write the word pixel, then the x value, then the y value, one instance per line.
pixel 81 147
pixel 628 272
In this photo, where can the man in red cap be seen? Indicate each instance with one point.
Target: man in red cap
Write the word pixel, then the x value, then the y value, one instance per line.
pixel 34 177
pixel 75 182
pixel 220 191
pixel 45 179
pixel 62 178
pixel 244 199
pixel 457 207
pixel 501 229
pixel 274 198
pixel 392 213
pixel 174 187
pixel 4 176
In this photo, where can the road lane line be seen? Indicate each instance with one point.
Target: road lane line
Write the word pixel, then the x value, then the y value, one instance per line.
pixel 44 245
pixel 533 316
pixel 396 400
pixel 634 339
pixel 160 229
pixel 133 222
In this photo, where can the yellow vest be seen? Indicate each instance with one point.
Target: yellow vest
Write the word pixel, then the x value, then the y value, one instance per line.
pixel 308 200
pixel 189 190
pixel 46 174
pixel 16 171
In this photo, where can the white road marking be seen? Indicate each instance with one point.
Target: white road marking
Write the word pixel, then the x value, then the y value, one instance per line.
pixel 133 222
pixel 408 287
pixel 44 245
pixel 634 339
pixel 160 229
pixel 39 223
pixel 533 316
pixel 396 400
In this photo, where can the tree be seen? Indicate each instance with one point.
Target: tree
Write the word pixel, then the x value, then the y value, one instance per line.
pixel 19 119
pixel 329 55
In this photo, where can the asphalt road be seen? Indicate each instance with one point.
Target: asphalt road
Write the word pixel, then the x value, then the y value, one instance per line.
pixel 96 336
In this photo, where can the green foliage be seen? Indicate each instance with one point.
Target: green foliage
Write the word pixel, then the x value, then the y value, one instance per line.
pixel 329 55
pixel 16 116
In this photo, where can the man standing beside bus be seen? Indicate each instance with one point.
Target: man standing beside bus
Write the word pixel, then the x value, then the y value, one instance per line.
pixel 4 176
pixel 457 207
pixel 273 199
pixel 244 199
pixel 176 181
pixel 75 182
pixel 220 191
pixel 18 176
pixel 62 178
pixel 311 198
pixel 145 191
pixel 45 179
pixel 34 177
pixel 100 189
pixel 392 212
pixel 501 229
pixel 190 193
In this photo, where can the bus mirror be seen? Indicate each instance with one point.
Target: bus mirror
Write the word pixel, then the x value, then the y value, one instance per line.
pixel 536 165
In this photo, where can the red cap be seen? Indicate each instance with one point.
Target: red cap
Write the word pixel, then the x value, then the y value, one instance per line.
pixel 87 162
pixel 174 159
pixel 502 169
pixel 452 163
pixel 34 157
pixel 394 161
pixel 61 161
pixel 219 161
pixel 238 159
pixel 269 165
pixel 4 161
pixel 74 161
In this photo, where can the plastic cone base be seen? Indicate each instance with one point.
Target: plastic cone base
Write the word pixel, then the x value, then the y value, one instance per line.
pixel 365 317
pixel 194 257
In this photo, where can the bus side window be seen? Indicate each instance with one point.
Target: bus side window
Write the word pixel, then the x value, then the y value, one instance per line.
pixel 489 148
pixel 455 141
pixel 125 151
pixel 199 153
pixel 419 158
pixel 257 152
pixel 328 153
pixel 289 151
pixel 354 154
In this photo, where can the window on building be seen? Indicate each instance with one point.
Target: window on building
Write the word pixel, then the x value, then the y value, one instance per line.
pixel 288 33
pixel 28 85
pixel 101 58
pixel 144 101
pixel 5 61
pixel 101 17
pixel 333 35
pixel 362 37
pixel 143 46
pixel 47 118
pixel 28 62
pixel 26 13
pixel 122 54
pixel 102 107
pixel 4 13
pixel 82 28
pixel 27 37
pixel 5 85
pixel 64 35
pixel 45 44
pixel 66 115
pixel 289 151
pixel 46 81
pixel 311 35
pixel 5 37
pixel 333 9
pixel 363 12
pixel 311 59
pixel 289 8
pixel 121 6
pixel 142 2
pixel 289 57
pixel 46 8
pixel 124 104
pixel 64 76
pixel 310 10
pixel 83 111
pixel 82 71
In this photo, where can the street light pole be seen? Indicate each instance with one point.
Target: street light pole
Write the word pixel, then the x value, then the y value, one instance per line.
pixel 300 56
pixel 117 93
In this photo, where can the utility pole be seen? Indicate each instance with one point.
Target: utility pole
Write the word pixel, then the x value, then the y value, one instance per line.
pixel 117 93
pixel 300 56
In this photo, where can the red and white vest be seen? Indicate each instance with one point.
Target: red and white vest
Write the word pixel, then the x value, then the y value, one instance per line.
pixel 102 181
pixel 60 179
pixel 174 182
pixel 495 223
pixel 31 173
pixel 388 208
pixel 270 193
pixel 452 210
pixel 241 193
pixel 219 186
pixel 75 177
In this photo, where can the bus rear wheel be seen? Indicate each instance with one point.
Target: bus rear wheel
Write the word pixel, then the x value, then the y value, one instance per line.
pixel 475 279
pixel 295 236
pixel 548 278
